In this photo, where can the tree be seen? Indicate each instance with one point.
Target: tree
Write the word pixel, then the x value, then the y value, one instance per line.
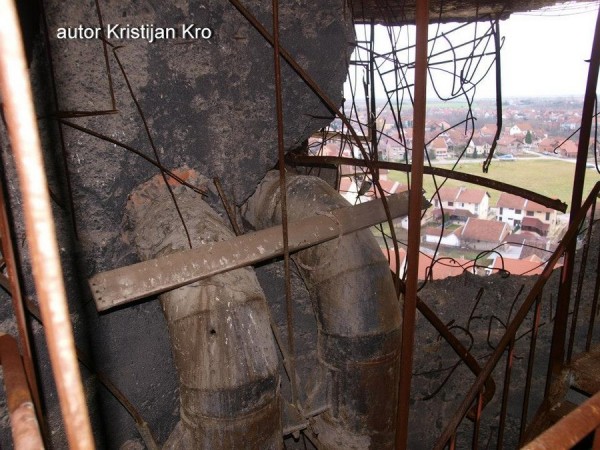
pixel 475 154
pixel 528 138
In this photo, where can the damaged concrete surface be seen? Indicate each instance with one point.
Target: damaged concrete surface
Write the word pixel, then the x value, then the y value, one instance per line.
pixel 208 104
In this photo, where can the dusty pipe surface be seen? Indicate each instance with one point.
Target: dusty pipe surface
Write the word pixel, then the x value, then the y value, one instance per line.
pixel 219 328
pixel 358 315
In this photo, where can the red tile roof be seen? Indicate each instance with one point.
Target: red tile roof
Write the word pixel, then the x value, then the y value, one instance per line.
pixel 485 230
pixel 443 267
pixel 520 266
pixel 471 196
pixel 536 207
pixel 511 201
pixel 534 222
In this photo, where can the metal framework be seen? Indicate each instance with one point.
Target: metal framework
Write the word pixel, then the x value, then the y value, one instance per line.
pixel 125 285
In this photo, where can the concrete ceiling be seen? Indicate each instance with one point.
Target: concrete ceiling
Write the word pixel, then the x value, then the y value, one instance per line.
pixel 400 12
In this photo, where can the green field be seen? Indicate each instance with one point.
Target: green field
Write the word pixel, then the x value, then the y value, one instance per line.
pixel 552 178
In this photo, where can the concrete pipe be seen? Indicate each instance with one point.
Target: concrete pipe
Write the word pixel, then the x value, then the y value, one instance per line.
pixel 358 316
pixel 219 327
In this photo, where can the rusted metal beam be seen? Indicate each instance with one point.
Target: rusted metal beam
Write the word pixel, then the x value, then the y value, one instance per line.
pixel 296 159
pixel 151 277
pixel 25 428
pixel 571 429
pixel 414 224
pixel 40 230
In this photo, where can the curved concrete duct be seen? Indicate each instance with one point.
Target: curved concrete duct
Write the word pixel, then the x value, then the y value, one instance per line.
pixel 219 327
pixel 358 316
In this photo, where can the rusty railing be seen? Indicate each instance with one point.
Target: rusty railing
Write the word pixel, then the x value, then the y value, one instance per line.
pixel 581 228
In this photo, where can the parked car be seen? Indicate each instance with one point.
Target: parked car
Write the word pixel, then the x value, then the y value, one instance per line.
pixel 507 158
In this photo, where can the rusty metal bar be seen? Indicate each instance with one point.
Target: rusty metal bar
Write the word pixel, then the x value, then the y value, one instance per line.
pixel 289 306
pixel 17 300
pixel 530 361
pixel 25 429
pixel 505 394
pixel 513 327
pixel 580 279
pixel 588 341
pixel 571 429
pixel 127 284
pixel 414 223
pixel 446 173
pixel 557 348
pixel 105 381
pixel 476 425
pixel 39 229
pixel 459 348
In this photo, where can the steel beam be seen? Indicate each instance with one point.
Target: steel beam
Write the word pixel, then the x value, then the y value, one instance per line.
pixel 130 283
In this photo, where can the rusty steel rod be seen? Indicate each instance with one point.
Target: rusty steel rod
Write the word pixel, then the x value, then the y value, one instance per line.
pixel 414 224
pixel 127 284
pixel 556 204
pixel 24 425
pixel 505 394
pixel 289 305
pixel 580 281
pixel 595 298
pixel 459 349
pixel 571 429
pixel 14 286
pixel 40 230
pixel 557 348
pixel 530 361
pixel 514 325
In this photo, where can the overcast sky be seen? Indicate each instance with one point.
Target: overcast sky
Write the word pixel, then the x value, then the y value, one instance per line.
pixel 544 52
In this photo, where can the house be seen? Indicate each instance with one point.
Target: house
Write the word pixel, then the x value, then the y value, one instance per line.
pixel 461 203
pixel 533 265
pixel 429 268
pixel 568 149
pixel 547 145
pixel 513 209
pixel 525 244
pixel 488 130
pixel 359 189
pixel 449 237
pixel 510 209
pixel 545 217
pixel 438 147
pixel 509 144
pixel 520 130
pixel 483 234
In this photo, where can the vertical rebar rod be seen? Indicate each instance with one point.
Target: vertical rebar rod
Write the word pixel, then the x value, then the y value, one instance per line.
pixel 414 223
pixel 40 230
pixel 284 219
pixel 530 361
pixel 477 423
pixel 18 307
pixel 594 311
pixel 25 428
pixel 580 280
pixel 505 394
pixel 557 349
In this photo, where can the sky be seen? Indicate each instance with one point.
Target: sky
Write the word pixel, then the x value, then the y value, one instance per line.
pixel 543 54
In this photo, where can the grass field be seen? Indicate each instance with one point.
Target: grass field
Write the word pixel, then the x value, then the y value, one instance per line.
pixel 548 177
